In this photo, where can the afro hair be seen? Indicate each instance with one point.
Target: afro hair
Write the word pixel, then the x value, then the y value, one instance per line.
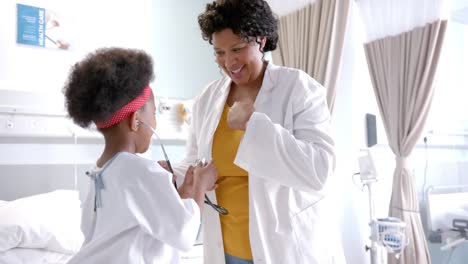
pixel 105 81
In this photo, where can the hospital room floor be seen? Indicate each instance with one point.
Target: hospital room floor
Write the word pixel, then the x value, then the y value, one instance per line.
pixel 457 256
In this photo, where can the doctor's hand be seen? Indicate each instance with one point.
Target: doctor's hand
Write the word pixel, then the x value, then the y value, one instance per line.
pixel 239 114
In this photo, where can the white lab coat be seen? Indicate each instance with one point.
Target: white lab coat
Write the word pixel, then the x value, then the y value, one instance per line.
pixel 141 219
pixel 288 153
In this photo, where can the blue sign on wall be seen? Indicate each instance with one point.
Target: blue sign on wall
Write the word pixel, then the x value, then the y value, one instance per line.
pixel 30 25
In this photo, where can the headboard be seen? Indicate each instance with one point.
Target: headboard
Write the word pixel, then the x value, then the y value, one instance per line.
pixel 19 180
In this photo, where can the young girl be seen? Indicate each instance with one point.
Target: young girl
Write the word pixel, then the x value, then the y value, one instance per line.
pixel 133 213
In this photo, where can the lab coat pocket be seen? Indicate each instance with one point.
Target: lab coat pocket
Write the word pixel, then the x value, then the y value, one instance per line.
pixel 311 235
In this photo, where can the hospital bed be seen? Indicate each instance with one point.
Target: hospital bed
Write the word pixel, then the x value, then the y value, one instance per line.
pixel 42 228
pixel 447 215
pixel 39 212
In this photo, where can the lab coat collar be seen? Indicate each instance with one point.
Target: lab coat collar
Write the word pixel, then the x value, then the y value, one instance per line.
pixel 270 77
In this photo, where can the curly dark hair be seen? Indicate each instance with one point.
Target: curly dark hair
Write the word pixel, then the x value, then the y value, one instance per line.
pixel 105 81
pixel 246 18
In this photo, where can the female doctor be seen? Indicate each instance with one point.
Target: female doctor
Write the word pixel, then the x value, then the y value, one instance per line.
pixel 267 129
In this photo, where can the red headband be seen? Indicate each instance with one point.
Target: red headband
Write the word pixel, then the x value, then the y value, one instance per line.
pixel 126 110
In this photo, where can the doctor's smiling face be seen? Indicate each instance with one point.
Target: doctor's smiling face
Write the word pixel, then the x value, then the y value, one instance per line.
pixel 237 57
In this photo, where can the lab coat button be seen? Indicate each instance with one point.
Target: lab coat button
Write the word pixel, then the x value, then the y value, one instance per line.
pixel 220 244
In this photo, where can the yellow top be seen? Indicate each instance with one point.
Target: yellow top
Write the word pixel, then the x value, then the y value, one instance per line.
pixel 233 190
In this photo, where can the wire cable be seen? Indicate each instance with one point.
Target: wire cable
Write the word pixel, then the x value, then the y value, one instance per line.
pixel 353 179
pixel 425 170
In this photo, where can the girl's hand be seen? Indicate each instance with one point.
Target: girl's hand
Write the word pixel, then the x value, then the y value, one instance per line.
pixel 186 189
pixel 163 164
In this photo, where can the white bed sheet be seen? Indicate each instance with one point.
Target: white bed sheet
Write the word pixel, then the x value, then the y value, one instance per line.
pixel 446 207
pixel 32 256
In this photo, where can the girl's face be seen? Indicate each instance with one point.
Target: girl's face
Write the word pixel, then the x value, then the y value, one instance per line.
pixel 240 59
pixel 148 116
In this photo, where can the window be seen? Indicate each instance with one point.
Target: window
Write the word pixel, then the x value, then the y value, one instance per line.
pixel 448 116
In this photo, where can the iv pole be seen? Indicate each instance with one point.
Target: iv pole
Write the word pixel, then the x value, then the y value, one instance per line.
pixel 374 254
pixel 386 232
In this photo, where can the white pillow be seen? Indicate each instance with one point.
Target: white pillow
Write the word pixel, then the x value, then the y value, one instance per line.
pixel 50 221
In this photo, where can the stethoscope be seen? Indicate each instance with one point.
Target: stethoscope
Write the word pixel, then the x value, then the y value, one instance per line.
pixel 216 207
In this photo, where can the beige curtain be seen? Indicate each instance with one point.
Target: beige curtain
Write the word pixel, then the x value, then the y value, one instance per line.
pixel 402 70
pixel 311 39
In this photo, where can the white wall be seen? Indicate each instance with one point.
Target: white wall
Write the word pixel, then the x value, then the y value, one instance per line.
pixel 185 63
pixel 90 24
pixel 168 30
pixel 348 125
pixel 281 9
